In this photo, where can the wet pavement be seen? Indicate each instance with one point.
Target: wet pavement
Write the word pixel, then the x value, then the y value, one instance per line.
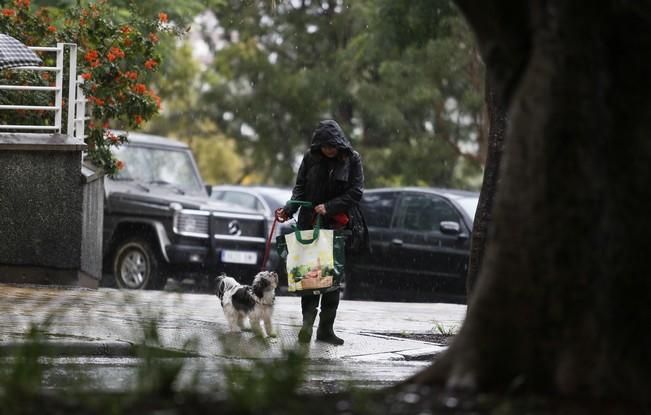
pixel 91 336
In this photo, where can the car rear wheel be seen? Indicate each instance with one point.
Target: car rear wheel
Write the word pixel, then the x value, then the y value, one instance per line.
pixel 136 266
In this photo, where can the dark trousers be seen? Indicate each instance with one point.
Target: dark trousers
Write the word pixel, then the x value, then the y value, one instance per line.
pixel 329 304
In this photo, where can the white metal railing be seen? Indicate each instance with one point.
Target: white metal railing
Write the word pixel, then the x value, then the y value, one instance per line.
pixel 76 104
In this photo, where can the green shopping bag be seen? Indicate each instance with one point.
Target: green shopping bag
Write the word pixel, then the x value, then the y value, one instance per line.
pixel 314 259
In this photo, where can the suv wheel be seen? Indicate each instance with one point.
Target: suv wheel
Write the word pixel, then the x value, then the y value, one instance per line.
pixel 135 266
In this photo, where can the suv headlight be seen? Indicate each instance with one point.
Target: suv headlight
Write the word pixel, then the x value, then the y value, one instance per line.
pixel 193 223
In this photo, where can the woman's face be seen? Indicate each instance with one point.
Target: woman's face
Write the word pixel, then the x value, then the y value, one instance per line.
pixel 329 151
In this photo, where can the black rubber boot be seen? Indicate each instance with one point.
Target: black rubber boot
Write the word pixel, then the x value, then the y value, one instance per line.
pixel 308 306
pixel 327 335
pixel 325 332
pixel 305 334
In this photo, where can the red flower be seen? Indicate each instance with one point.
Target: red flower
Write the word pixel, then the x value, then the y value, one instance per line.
pixel 162 17
pixel 118 52
pixel 139 88
pixel 125 29
pixel 150 64
pixel 119 164
pixel 137 119
pixel 8 12
pixel 97 101
pixel 112 138
pixel 87 76
pixel 91 56
pixel 157 99
pixel 153 37
pixel 51 29
pixel 114 53
pixel 133 75
pixel 22 3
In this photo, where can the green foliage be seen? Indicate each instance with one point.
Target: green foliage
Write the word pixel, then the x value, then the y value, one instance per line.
pixel 444 330
pixel 21 381
pixel 179 80
pixel 118 51
pixel 218 160
pixel 403 78
pixel 266 382
pixel 248 387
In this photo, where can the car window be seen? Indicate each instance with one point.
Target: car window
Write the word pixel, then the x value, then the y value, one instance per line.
pixel 217 195
pixel 378 208
pixel 242 199
pixel 158 165
pixel 424 212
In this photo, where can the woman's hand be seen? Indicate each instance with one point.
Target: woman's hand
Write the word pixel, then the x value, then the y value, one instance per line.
pixel 320 209
pixel 281 215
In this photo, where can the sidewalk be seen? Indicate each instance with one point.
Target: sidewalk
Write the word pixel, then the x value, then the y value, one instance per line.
pixel 109 317
pixel 97 331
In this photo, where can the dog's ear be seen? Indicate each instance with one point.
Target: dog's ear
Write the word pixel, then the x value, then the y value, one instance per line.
pixel 259 285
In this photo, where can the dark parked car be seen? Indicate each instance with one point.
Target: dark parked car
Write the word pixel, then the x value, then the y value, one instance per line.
pixel 420 241
pixel 264 200
pixel 159 221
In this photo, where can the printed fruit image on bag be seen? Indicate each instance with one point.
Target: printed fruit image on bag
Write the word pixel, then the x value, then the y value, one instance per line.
pixel 310 266
pixel 314 259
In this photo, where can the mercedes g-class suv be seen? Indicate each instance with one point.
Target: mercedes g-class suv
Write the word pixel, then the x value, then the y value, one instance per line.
pixel 159 222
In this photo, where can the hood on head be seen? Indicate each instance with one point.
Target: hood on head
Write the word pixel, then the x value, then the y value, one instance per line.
pixel 330 133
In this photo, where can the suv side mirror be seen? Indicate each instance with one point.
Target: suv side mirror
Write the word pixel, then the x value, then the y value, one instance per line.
pixel 450 228
pixel 208 189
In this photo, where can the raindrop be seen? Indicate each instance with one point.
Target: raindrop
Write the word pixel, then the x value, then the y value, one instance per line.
pixel 411 398
pixel 451 402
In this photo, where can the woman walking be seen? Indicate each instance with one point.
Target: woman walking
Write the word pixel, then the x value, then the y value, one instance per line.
pixel 331 177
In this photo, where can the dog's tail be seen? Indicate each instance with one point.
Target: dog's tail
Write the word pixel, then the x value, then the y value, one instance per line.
pixel 220 286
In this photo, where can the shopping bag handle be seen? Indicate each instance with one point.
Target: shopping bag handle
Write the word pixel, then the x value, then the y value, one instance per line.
pixel 315 233
pixel 317 225
pixel 300 203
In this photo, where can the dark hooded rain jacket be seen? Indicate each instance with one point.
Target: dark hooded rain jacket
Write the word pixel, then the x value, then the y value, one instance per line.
pixel 336 182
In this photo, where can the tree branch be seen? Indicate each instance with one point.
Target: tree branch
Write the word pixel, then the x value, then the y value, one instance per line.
pixel 503 32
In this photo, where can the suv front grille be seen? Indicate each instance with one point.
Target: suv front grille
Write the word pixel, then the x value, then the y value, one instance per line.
pixel 238 226
pixel 192 223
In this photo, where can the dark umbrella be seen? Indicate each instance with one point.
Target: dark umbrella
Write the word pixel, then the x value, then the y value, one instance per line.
pixel 14 53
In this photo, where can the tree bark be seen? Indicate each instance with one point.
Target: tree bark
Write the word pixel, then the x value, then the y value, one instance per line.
pixel 562 305
pixel 482 220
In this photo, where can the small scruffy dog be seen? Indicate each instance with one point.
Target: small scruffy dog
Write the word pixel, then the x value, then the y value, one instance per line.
pixel 255 301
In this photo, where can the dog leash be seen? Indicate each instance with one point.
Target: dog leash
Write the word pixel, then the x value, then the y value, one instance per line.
pixel 278 218
pixel 267 247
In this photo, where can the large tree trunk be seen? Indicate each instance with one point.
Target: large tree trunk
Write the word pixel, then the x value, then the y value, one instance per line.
pixel 483 215
pixel 562 304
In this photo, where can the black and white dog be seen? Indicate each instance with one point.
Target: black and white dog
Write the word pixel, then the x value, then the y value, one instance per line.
pixel 255 301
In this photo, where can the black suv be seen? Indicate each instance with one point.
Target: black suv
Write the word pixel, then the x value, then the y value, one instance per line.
pixel 159 221
pixel 420 242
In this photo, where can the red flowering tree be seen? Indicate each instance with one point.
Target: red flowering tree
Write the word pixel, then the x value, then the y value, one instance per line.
pixel 118 52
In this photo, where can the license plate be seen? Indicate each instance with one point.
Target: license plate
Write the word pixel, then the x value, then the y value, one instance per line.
pixel 239 257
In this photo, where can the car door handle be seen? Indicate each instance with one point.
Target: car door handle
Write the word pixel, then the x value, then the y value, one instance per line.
pixel 397 242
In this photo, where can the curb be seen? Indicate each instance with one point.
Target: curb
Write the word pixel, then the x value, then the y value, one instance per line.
pixel 87 349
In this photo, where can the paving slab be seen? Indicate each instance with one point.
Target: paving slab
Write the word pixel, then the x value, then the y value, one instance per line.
pixel 93 332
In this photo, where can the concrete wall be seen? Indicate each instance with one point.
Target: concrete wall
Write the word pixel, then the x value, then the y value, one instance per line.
pixel 92 221
pixel 50 220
